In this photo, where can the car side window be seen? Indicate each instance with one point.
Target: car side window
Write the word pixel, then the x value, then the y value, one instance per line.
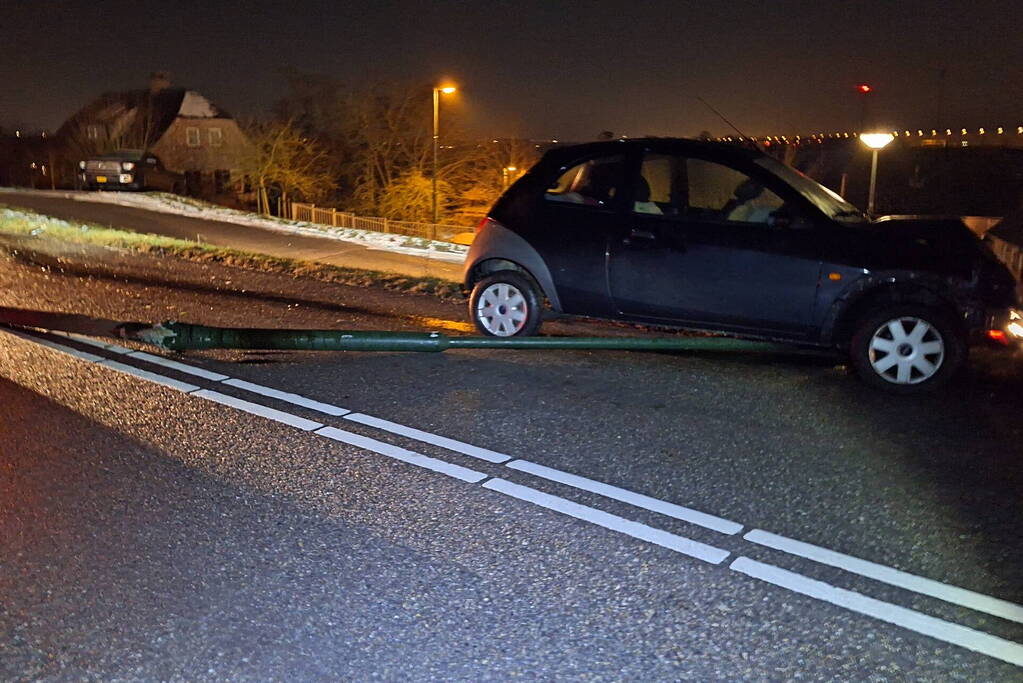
pixel 660 190
pixel 671 185
pixel 718 192
pixel 594 182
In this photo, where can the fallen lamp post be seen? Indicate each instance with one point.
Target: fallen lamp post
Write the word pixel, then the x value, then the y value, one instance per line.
pixel 175 336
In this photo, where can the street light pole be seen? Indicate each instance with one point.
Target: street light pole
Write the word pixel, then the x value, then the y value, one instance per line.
pixel 873 182
pixel 436 136
pixel 876 142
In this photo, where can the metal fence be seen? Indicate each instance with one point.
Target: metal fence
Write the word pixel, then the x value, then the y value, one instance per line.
pixel 343 219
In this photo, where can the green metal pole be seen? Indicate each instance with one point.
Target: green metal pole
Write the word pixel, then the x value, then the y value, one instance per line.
pixel 181 336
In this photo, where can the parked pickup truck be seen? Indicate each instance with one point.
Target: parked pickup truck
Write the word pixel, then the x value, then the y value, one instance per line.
pixel 128 169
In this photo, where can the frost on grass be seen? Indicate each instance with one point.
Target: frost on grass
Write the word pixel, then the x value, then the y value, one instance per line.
pixel 24 222
pixel 186 206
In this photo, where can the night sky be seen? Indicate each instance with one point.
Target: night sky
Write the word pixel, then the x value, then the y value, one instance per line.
pixel 540 69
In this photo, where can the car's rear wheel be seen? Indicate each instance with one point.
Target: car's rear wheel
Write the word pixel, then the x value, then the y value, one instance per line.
pixel 907 349
pixel 506 304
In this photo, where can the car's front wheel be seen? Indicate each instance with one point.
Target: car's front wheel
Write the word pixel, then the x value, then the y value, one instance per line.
pixel 907 349
pixel 506 304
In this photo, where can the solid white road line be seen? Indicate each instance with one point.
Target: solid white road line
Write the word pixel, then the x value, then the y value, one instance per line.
pixel 718 524
pixel 99 343
pixel 174 365
pixel 679 544
pixel 895 577
pixel 81 355
pixel 992 646
pixel 256 409
pixel 287 397
pixel 427 437
pixel 149 376
pixel 410 457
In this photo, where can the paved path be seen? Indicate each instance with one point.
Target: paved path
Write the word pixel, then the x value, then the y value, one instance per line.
pixel 335 252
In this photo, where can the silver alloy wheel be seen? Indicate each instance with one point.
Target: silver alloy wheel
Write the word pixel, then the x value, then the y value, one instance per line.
pixel 906 350
pixel 502 309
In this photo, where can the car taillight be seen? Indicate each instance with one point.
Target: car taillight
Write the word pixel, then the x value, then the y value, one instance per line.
pixel 998 336
pixel 482 224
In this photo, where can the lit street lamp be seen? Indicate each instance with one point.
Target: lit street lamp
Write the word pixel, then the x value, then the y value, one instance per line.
pixel 876 142
pixel 447 90
pixel 505 175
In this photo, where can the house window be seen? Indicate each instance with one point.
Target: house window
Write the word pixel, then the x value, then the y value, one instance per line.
pixel 192 136
pixel 92 132
pixel 216 137
pixel 221 180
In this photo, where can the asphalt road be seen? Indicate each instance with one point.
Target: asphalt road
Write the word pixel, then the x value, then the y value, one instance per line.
pixel 156 533
pixel 324 250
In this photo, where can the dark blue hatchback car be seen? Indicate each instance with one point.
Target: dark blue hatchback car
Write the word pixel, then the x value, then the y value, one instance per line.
pixel 714 236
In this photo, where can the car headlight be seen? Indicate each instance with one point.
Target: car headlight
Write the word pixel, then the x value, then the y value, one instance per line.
pixel 127 165
pixel 1015 326
pixel 81 165
pixel 125 178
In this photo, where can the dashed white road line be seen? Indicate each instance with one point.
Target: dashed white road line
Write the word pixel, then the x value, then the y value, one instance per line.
pixel 427 437
pixel 718 524
pixel 149 376
pixel 679 544
pixel 894 577
pixel 180 367
pixel 287 397
pixel 945 631
pixel 402 454
pixel 256 409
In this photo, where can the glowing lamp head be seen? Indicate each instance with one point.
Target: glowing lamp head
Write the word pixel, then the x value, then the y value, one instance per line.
pixel 447 89
pixel 876 140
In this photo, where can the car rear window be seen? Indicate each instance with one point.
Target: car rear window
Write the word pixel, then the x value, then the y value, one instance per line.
pixel 594 182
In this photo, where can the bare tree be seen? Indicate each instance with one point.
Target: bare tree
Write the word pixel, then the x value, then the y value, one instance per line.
pixel 391 159
pixel 281 161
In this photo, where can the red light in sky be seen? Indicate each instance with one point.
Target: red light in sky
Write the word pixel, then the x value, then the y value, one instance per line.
pixel 864 88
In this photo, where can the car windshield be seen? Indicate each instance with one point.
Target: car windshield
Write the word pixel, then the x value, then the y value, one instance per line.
pixel 824 199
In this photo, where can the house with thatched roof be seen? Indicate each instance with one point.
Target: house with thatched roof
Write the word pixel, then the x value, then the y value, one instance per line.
pixel 189 133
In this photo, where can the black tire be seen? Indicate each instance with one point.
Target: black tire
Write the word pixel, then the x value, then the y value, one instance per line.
pixel 506 304
pixel 902 365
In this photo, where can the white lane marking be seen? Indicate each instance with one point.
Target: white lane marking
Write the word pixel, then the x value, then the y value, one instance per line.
pixel 427 437
pixel 256 409
pixel 895 577
pixel 99 343
pixel 287 397
pixel 149 376
pixel 174 365
pixel 984 643
pixel 410 457
pixel 679 544
pixel 718 524
pixel 82 355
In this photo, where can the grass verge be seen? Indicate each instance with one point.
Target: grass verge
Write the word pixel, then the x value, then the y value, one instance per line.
pixel 25 223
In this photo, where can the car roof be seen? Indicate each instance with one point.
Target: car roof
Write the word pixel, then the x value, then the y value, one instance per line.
pixel 723 150
pixel 129 154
